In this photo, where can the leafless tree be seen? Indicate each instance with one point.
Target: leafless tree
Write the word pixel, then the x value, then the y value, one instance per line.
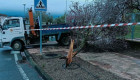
pixel 99 12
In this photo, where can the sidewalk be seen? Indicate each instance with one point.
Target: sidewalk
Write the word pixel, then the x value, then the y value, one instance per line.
pixel 122 65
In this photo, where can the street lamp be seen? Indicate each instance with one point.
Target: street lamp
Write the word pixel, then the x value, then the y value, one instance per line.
pixel 66 13
pixel 24 9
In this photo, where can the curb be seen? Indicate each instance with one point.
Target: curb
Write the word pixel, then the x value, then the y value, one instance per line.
pixel 134 44
pixel 36 67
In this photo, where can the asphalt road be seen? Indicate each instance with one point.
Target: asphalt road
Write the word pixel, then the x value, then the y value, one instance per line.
pixel 10 69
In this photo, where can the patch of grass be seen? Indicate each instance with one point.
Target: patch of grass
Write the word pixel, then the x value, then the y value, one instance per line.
pixel 136 32
pixel 43 65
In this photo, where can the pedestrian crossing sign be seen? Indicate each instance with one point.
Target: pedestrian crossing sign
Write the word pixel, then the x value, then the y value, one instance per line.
pixel 40 5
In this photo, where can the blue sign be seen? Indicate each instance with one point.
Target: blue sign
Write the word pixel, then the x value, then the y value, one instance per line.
pixel 40 5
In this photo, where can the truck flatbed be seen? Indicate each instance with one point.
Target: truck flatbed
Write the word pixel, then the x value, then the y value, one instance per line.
pixel 53 32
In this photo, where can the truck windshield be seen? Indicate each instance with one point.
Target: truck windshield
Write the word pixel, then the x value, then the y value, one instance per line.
pixel 11 23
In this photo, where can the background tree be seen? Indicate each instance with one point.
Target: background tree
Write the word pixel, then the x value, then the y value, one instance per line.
pixel 47 18
pixel 60 20
pixel 133 4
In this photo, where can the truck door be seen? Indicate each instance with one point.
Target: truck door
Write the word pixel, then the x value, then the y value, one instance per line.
pixel 11 29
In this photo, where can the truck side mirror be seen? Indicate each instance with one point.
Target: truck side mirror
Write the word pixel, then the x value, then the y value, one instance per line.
pixel 0 27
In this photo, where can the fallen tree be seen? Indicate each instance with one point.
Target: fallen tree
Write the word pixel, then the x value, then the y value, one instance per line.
pixel 99 12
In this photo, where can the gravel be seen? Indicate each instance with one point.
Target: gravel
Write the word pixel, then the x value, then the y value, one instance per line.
pixel 78 70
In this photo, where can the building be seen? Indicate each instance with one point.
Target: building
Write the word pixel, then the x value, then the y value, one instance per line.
pixel 2 16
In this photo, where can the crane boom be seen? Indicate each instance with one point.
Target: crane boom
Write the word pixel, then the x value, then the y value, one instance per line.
pixel 31 19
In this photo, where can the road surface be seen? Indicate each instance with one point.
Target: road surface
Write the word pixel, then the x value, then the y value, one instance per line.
pixel 10 69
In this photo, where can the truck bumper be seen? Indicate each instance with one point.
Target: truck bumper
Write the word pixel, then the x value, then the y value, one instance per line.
pixel 1 45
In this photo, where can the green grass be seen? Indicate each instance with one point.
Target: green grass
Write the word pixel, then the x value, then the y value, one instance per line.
pixel 136 32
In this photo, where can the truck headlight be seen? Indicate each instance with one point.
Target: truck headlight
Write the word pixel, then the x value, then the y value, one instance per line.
pixel 0 43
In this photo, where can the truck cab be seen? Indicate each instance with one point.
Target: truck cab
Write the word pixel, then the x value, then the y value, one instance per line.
pixel 12 33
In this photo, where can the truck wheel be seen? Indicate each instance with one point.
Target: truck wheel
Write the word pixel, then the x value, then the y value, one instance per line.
pixel 65 40
pixel 17 45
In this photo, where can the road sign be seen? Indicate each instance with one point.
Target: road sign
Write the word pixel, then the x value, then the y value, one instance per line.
pixel 40 5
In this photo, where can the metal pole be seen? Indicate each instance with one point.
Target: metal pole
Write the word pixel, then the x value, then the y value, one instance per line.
pixel 133 27
pixel 24 9
pixel 40 32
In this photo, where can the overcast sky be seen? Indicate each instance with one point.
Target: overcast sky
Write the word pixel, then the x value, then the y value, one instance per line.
pixel 15 7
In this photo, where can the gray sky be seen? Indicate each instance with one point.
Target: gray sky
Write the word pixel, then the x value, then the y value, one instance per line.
pixel 15 7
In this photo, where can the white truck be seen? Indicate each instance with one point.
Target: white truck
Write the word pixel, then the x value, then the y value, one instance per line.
pixel 12 33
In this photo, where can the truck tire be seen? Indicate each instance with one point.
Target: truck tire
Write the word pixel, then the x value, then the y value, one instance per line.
pixel 17 45
pixel 65 40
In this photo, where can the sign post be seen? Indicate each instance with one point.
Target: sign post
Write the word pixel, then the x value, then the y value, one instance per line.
pixel 40 32
pixel 40 5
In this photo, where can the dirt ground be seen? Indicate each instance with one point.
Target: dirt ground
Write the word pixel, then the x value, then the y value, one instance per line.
pixel 89 65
